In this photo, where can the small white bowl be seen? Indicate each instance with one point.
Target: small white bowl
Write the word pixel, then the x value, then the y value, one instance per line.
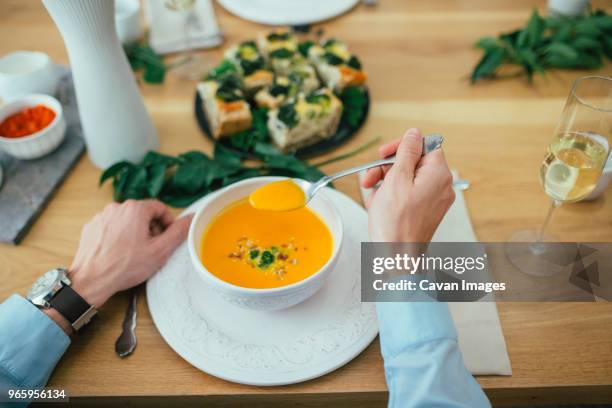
pixel 27 72
pixel 263 299
pixel 40 143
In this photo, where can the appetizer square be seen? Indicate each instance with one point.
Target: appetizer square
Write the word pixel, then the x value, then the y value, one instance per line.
pixel 336 66
pixel 224 106
pixel 303 78
pixel 305 120
pixel 251 65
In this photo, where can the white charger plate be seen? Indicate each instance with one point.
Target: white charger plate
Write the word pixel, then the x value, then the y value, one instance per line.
pixel 287 12
pixel 267 348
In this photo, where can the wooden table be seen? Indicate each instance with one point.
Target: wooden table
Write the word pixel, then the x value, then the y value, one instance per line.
pixel 418 55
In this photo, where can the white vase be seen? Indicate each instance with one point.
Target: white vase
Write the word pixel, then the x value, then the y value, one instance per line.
pixel 115 122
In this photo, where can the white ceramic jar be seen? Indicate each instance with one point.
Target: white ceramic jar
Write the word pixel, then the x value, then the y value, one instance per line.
pixel 115 122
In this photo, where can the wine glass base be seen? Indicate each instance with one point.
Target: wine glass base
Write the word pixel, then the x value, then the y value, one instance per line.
pixel 540 258
pixel 190 68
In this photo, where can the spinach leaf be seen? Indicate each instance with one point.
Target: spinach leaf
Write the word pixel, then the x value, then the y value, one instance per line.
pixel 288 115
pixel 304 47
pixel 354 102
pixel 281 53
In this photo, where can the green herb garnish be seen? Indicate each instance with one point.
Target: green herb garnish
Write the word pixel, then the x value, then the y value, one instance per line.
pixel 282 53
pixel 229 89
pixel 288 115
pixel 550 42
pixel 332 59
pixel 304 46
pixel 275 36
pixel 254 253
pixel 266 260
pixel 354 62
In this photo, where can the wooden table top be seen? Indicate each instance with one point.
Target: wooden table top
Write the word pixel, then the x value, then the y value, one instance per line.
pixel 418 55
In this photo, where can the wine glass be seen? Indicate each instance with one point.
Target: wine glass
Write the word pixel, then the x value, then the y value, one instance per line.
pixel 187 65
pixel 570 170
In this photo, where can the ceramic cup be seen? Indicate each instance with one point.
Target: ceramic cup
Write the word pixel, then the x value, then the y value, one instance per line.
pixel 262 299
pixel 27 72
pixel 127 20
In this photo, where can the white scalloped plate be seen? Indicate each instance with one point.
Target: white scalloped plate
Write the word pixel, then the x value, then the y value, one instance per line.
pixel 267 348
pixel 287 12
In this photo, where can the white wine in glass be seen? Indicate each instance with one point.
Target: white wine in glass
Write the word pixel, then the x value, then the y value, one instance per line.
pixel 570 170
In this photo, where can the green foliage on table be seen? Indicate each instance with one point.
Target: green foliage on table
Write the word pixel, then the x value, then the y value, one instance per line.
pixel 549 42
pixel 181 180
pixel 142 58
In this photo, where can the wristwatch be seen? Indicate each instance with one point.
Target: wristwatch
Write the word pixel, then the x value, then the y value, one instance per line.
pixel 52 290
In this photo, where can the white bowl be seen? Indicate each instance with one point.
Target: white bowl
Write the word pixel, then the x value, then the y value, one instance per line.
pixel 40 143
pixel 263 299
pixel 27 72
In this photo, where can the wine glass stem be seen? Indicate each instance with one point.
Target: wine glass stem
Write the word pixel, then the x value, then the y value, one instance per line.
pixel 553 206
pixel 188 53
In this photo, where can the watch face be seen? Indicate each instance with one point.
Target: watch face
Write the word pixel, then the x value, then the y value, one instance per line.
pixel 44 284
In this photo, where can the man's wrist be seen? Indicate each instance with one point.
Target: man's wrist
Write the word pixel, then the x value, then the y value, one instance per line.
pixel 94 293
pixel 60 320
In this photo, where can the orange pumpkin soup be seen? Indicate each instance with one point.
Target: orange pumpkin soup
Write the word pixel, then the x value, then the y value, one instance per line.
pixel 259 249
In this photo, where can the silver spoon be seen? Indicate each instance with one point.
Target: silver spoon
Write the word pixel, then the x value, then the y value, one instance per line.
pixel 430 143
pixel 126 342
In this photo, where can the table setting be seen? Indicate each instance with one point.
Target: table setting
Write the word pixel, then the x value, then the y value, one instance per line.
pixel 200 103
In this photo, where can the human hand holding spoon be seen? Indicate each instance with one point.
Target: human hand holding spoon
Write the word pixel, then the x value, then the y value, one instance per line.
pixel 291 194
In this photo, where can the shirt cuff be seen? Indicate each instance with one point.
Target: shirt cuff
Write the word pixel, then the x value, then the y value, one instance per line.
pixel 31 343
pixel 403 324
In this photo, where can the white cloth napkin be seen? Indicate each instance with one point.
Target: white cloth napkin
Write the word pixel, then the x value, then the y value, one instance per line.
pixel 480 335
pixel 167 27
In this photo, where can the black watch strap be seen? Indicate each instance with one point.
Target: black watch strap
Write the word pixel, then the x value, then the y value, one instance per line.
pixel 73 307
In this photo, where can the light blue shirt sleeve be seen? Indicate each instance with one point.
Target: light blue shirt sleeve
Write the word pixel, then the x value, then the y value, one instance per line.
pixel 31 344
pixel 423 364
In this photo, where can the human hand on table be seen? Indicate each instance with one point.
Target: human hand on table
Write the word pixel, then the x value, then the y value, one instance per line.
pixel 414 195
pixel 123 246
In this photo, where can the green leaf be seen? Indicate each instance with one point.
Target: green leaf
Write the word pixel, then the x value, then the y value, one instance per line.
pixel 265 150
pixel 113 170
pixel 561 50
pixel 587 44
pixel 193 174
pixel 119 183
pixel 227 158
pixel 587 27
pixel 136 184
pixel 488 43
pixel 354 101
pixel 152 158
pixel 532 34
pixel 242 174
pixel 488 64
pixel 156 179
pixel 142 57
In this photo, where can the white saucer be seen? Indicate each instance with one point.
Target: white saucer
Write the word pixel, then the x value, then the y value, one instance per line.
pixel 283 12
pixel 267 348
